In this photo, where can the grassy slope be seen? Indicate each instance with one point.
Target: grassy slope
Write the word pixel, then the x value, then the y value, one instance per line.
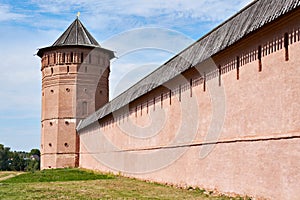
pixel 80 184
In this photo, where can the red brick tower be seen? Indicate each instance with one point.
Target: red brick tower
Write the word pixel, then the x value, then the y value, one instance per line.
pixel 75 72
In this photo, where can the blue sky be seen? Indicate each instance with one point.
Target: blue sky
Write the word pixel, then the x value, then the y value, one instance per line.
pixel 144 34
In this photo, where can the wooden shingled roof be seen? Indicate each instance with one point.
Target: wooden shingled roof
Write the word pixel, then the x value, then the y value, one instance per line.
pixel 256 15
pixel 76 35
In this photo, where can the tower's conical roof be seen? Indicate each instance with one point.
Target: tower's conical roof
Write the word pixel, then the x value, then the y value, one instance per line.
pixel 76 34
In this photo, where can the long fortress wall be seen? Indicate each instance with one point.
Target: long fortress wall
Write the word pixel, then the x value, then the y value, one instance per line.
pixel 231 123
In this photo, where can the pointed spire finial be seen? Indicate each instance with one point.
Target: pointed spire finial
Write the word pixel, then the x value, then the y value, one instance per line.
pixel 78 14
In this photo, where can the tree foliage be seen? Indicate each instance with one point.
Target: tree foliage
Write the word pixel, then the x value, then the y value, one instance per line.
pixel 19 160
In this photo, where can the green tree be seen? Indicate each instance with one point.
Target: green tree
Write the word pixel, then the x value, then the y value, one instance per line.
pixel 19 160
pixel 35 152
pixel 4 157
pixel 34 162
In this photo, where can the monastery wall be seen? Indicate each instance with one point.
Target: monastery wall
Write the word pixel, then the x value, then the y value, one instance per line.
pixel 230 124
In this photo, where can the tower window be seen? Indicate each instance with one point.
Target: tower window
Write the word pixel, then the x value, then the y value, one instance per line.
pixel 82 57
pixel 50 145
pixel 54 58
pixel 68 89
pixel 52 91
pixel 67 123
pixel 100 92
pixel 66 145
pixel 68 69
pixel 51 124
pixel 63 57
pixel 90 58
pixel 84 108
pixel 71 57
pixel 51 71
pixel 85 69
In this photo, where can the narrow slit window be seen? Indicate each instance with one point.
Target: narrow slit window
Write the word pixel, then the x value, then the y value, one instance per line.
pixel 81 57
pixel 136 111
pixel 286 46
pixel 147 106
pixel 191 87
pixel 84 108
pixel 259 59
pixel 54 58
pixel 90 58
pixel 237 67
pixel 220 73
pixel 204 82
pixel 170 96
pixel 179 93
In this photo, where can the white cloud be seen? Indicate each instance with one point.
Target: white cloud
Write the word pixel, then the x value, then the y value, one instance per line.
pixel 139 52
pixel 123 15
pixel 200 9
pixel 147 38
pixel 7 15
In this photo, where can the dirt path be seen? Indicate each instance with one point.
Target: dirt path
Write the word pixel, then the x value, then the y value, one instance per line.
pixel 10 176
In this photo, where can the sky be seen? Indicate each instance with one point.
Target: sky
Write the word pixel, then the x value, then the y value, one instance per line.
pixel 143 33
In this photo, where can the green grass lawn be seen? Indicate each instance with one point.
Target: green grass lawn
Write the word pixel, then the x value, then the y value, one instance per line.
pixel 82 184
